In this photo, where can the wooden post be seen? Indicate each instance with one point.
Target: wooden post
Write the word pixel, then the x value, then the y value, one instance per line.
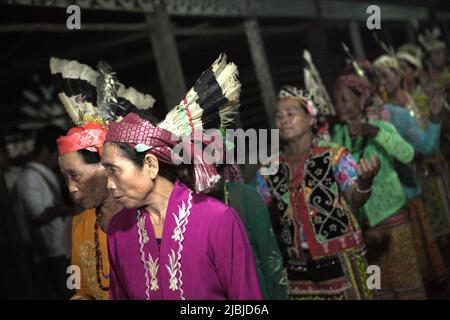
pixel 261 65
pixel 166 55
pixel 355 35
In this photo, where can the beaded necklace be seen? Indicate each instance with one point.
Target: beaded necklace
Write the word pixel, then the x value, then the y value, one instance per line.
pixel 98 252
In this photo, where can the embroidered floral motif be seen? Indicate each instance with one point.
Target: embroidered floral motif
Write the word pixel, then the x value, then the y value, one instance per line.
pixel 180 221
pixel 172 269
pixel 142 232
pixel 284 278
pixel 275 261
pixel 145 237
pixel 175 260
pixel 87 259
pixel 152 266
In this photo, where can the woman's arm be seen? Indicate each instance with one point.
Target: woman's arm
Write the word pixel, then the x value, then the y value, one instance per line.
pixel 424 141
pixel 355 180
pixel 387 137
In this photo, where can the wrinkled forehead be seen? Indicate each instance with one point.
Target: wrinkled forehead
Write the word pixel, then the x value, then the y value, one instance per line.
pixel 70 161
pixel 113 155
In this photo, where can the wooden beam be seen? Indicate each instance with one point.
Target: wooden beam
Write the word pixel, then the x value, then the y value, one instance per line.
pixel 331 9
pixel 58 27
pixel 201 30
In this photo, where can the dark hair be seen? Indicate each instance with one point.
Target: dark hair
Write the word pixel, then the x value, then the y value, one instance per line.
pixel 89 157
pixel 46 138
pixel 369 100
pixel 167 171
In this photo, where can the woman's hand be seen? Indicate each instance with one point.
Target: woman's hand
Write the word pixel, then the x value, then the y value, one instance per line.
pixel 367 171
pixel 360 191
pixel 436 98
pixel 361 129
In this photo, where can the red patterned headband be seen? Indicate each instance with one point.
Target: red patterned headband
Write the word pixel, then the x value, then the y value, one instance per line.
pixel 91 137
pixel 355 82
pixel 146 137
pixel 136 131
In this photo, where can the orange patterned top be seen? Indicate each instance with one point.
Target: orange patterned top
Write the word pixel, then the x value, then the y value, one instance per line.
pixel 84 256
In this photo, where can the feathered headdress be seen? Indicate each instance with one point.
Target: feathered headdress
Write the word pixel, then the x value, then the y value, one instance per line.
pixel 211 103
pixel 92 98
pixel 97 96
pixel 411 53
pixel 387 60
pixel 430 39
pixel 317 91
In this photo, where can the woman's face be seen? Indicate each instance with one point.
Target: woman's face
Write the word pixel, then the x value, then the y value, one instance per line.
pixel 129 184
pixel 390 80
pixel 291 119
pixel 86 182
pixel 348 105
pixel 438 58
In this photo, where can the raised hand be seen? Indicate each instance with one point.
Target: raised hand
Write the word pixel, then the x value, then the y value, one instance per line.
pixel 436 98
pixel 367 171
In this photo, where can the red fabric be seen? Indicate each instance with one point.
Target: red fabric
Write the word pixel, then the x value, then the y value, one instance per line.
pixel 91 136
pixel 355 82
pixel 135 130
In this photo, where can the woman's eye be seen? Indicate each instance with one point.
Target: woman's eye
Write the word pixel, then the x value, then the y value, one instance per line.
pixel 75 177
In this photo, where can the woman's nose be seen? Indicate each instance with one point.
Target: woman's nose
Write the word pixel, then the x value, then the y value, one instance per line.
pixel 284 120
pixel 110 184
pixel 72 187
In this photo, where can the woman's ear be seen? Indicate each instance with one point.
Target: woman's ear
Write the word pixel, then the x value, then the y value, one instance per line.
pixel 151 164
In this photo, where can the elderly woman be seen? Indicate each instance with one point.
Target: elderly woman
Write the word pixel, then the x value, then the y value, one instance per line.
pixel 386 213
pixel 79 160
pixel 86 180
pixel 171 242
pixel 310 200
